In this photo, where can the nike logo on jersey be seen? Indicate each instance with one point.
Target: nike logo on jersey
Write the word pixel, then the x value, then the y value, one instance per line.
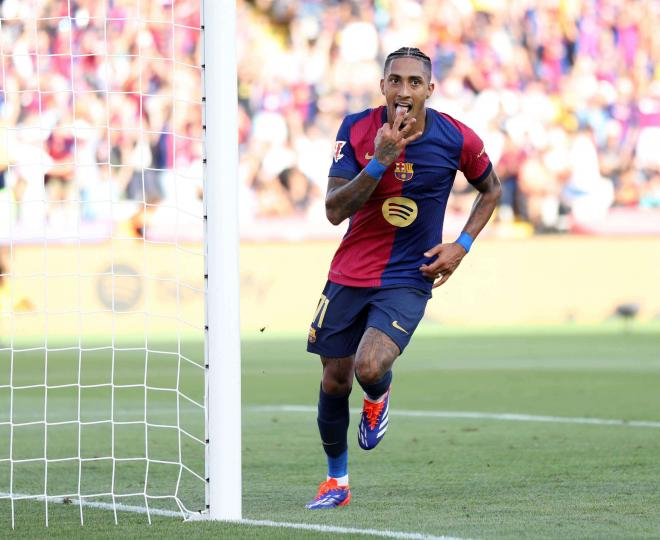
pixel 368 156
pixel 396 325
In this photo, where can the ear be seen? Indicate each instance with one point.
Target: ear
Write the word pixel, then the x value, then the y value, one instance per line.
pixel 429 90
pixel 382 86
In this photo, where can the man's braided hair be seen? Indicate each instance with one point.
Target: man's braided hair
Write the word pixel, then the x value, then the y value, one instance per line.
pixel 412 52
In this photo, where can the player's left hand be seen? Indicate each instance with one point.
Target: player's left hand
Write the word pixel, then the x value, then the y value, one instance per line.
pixel 449 256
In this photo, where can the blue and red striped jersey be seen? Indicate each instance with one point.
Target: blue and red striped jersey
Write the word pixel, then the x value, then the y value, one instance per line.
pixel 387 237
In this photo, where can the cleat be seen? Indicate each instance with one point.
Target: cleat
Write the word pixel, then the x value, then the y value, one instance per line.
pixel 330 495
pixel 374 421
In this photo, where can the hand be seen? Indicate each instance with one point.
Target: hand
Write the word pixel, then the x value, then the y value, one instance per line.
pixel 390 141
pixel 449 256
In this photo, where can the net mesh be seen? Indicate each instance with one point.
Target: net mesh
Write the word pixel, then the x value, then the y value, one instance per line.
pixel 101 258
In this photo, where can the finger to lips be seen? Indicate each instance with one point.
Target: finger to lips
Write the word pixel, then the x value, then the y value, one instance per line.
pixel 398 120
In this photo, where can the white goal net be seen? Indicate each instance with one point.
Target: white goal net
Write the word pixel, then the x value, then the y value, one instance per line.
pixel 102 294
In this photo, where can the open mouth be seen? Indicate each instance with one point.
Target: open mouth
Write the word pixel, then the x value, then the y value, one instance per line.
pixel 403 108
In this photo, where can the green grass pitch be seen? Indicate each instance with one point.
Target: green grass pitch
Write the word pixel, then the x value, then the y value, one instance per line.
pixel 479 477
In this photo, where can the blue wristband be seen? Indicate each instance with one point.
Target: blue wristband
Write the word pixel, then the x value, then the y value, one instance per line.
pixel 465 240
pixel 375 169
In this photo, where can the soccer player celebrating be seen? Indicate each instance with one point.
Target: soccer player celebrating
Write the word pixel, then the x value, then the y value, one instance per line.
pixel 393 169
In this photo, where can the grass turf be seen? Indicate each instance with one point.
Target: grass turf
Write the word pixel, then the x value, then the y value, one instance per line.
pixel 475 478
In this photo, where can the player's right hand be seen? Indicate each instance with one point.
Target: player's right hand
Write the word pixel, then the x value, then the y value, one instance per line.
pixel 391 140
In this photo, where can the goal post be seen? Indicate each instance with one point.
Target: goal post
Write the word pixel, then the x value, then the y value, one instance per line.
pixel 222 274
pixel 120 365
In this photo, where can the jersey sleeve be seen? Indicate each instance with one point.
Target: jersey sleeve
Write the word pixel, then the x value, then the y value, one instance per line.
pixel 344 164
pixel 475 163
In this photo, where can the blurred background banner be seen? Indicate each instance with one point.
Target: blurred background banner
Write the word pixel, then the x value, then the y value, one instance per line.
pixel 565 94
pixel 544 281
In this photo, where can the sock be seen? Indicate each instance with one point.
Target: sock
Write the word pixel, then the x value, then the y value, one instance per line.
pixel 338 468
pixel 333 419
pixel 376 390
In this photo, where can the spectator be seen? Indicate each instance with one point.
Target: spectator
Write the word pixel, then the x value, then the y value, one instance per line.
pixel 300 191
pixel 586 192
pixel 628 190
pixel 650 196
pixel 527 75
pixel 539 189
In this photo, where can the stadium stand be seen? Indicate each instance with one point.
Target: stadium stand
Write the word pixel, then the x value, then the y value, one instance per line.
pixel 566 95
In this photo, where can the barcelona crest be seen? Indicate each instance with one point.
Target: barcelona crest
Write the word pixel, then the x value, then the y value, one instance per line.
pixel 312 335
pixel 403 171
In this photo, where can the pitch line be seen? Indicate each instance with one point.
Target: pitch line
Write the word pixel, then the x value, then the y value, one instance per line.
pixel 347 530
pixel 513 417
pixel 398 535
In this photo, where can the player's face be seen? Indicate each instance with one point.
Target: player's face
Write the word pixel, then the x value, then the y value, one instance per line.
pixel 406 87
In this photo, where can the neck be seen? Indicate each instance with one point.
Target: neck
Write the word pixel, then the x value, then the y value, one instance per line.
pixel 420 124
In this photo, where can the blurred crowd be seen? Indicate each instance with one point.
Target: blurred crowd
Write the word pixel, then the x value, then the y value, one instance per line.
pixel 565 94
pixel 101 111
pixel 100 106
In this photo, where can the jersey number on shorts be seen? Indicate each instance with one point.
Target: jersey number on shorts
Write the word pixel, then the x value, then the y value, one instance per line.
pixel 320 310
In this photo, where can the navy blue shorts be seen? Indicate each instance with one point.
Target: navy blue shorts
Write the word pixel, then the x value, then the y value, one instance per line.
pixel 344 313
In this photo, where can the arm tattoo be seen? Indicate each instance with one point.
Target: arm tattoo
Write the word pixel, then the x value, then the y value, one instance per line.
pixel 484 205
pixel 345 197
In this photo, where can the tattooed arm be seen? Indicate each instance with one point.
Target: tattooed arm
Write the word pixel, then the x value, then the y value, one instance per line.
pixel 345 197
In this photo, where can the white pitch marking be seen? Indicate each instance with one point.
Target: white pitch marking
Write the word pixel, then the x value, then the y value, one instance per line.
pixel 347 530
pixel 477 416
pixel 253 522
pixel 94 504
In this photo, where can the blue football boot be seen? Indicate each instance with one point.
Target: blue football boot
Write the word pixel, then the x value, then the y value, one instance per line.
pixel 374 421
pixel 330 495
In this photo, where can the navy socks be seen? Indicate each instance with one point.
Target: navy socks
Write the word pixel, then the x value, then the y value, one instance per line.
pixel 333 419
